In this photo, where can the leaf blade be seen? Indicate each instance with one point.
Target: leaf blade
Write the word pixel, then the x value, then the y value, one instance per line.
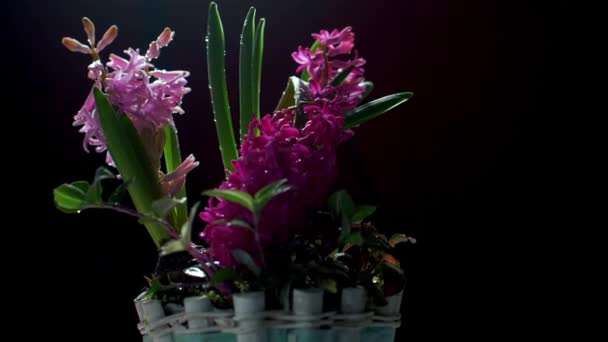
pixel 235 196
pixel 400 238
pixel 258 57
pixel 246 72
pixel 369 87
pixel 94 192
pixel 342 204
pixel 118 193
pixel 246 260
pixel 173 159
pixel 362 212
pixel 131 159
pixel 186 229
pixel 222 275
pixel 241 224
pixel 267 193
pixel 69 198
pixel 163 206
pixel 216 66
pixel 375 108
pixel 341 76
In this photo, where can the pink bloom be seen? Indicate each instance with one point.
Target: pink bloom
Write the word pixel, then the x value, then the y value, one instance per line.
pixel 174 181
pixel 87 117
pixel 163 40
pixel 147 95
pixel 165 37
pixel 337 42
pixel 323 67
pixel 95 70
pixel 148 103
pixel 311 61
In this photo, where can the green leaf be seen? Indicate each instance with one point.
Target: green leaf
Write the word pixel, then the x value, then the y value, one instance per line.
pixel 333 270
pixel 216 68
pixel 119 193
pixel 93 196
pixel 375 108
pixel 258 57
pixel 374 290
pixel 147 220
pixel 102 173
pixel 270 191
pixel 186 231
pixel 243 258
pixel 400 238
pixel 225 274
pixel 172 246
pixel 82 185
pixel 155 286
pixel 394 267
pixel 162 207
pixel 362 212
pixel 356 238
pixel 305 75
pixel 341 203
pixel 341 76
pixel 173 159
pixel 132 161
pixel 369 87
pixel 302 95
pixel 346 228
pixel 235 196
pixel 69 198
pixel 94 192
pixel 344 208
pixel 246 72
pixel 296 94
pixel 329 285
pixel 242 224
pixel 288 98
pixel 377 241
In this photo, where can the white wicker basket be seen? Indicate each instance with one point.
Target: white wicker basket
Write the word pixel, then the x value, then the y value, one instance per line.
pixel 198 320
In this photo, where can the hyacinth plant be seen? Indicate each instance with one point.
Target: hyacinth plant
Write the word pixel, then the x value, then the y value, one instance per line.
pixel 273 224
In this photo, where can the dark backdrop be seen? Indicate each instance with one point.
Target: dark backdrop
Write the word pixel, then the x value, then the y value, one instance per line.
pixel 449 167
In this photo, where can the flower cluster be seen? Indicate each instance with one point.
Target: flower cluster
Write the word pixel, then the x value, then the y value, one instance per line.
pixel 305 156
pixel 325 62
pixel 148 96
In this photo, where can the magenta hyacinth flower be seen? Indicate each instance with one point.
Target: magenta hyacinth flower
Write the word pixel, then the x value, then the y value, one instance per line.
pixel 323 67
pixel 305 156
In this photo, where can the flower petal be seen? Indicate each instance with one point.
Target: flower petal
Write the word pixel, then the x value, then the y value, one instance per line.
pixel 107 38
pixel 89 28
pixel 75 46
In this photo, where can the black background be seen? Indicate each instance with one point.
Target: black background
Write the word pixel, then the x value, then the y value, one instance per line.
pixel 450 167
